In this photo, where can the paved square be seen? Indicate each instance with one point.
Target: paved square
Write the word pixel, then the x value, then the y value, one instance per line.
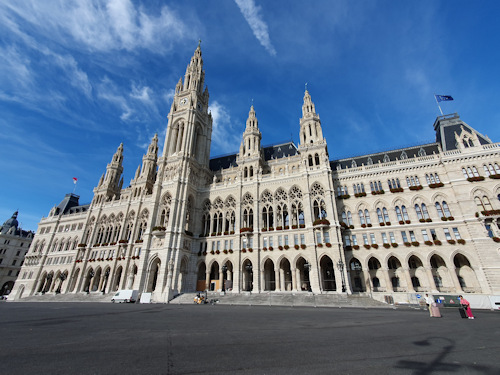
pixel 101 338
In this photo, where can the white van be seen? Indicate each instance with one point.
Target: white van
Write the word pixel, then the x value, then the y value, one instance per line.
pixel 125 295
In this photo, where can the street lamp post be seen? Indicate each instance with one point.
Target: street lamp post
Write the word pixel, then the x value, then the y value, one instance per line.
pixel 340 266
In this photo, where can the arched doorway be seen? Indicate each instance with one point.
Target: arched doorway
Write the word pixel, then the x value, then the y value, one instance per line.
pixel 417 274
pixel 327 274
pixel 43 280
pixel 48 282
pixel 227 276
pixel 6 288
pixel 269 276
pixel 20 292
pixel 105 280
pixel 357 277
pixel 286 275
pixel 214 277
pixel 303 268
pixel 374 269
pixel 247 272
pixel 96 280
pixel 153 275
pixel 466 275
pixel 60 279
pixel 88 280
pixel 201 278
pixel 396 274
pixel 440 274
pixel 182 275
pixel 118 277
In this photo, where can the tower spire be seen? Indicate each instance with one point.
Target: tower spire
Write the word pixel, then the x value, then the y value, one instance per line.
pixel 310 124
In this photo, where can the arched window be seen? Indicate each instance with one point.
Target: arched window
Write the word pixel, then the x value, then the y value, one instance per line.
pixel 349 218
pixel 379 215
pixel 367 217
pixel 398 214
pixel 386 215
pixel 446 209
pixel 361 217
pixel 424 211
pixel 405 213
pixel 483 204
pixel 439 210
pixel 419 212
pixel 316 159
pixel 310 160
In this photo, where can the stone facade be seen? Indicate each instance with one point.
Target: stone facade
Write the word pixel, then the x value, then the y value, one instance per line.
pixel 282 218
pixel 14 245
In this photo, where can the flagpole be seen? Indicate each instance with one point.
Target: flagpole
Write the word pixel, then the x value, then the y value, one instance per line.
pixel 440 110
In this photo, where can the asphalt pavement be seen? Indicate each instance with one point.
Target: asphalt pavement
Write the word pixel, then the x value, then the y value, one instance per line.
pixel 105 338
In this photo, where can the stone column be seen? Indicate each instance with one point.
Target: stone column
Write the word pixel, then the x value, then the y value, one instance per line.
pixel 277 279
pixel 409 284
pixel 263 279
pixel 295 273
pixel 432 284
pixel 388 281
pixel 454 279
pixel 207 280
pixel 282 278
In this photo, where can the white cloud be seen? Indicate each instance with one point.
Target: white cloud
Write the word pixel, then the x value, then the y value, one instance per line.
pixel 109 92
pixel 103 26
pixel 142 94
pixel 225 136
pixel 77 77
pixel 251 12
pixel 15 66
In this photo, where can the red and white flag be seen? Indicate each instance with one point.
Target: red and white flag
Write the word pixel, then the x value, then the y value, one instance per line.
pixel 75 180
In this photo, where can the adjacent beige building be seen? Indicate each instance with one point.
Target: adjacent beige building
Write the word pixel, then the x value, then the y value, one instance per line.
pixel 14 244
pixel 284 218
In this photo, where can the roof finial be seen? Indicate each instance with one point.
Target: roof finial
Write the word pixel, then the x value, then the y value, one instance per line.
pixel 199 43
pixel 306 86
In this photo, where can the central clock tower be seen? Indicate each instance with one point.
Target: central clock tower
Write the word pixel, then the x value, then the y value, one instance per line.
pixel 189 129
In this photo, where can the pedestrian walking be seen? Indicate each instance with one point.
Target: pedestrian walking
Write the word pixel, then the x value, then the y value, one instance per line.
pixel 466 305
pixel 429 301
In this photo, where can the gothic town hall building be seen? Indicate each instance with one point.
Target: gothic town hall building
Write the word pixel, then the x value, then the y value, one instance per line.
pixel 283 218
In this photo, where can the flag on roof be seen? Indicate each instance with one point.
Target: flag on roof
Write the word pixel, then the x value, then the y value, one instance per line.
pixel 443 98
pixel 75 180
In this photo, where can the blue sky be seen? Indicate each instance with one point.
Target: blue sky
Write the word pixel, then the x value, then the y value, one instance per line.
pixel 78 78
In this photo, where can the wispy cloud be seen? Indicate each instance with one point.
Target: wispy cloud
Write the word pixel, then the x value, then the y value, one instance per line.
pixel 103 26
pixel 252 15
pixel 225 136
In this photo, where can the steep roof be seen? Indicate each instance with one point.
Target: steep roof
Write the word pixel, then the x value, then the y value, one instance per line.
pixel 272 152
pixel 386 156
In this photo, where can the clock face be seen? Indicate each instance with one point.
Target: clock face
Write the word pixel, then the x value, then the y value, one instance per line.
pixel 183 101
